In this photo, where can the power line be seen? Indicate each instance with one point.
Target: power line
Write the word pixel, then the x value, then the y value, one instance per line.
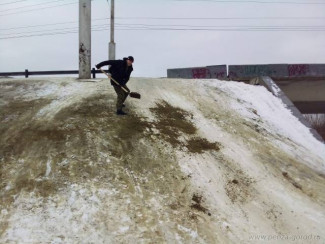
pixel 28 6
pixel 132 25
pixel 178 25
pixel 68 28
pixel 13 2
pixel 32 26
pixel 224 26
pixel 228 30
pixel 218 18
pixel 259 2
pixel 146 28
pixel 37 9
pixel 58 23
pixel 170 18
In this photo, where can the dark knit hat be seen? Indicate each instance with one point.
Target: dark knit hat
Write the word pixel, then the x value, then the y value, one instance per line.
pixel 131 58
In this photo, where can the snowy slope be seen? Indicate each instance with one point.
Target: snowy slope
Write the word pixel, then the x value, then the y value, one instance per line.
pixel 196 161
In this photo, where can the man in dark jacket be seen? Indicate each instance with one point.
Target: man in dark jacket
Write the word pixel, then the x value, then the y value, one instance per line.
pixel 120 71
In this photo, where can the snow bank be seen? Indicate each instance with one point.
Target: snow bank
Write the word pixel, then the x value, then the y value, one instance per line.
pixel 195 161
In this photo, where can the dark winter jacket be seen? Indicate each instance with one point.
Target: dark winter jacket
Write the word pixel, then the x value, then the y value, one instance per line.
pixel 119 70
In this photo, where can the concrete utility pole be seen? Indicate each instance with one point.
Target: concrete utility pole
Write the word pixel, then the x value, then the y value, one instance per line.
pixel 84 39
pixel 111 48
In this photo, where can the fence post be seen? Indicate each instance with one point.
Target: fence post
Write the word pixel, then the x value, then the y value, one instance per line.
pixel 93 71
pixel 26 73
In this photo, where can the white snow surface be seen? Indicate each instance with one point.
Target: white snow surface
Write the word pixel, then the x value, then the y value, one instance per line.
pixel 274 112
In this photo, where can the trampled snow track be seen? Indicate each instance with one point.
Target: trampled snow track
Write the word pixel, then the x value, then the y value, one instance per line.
pixel 196 161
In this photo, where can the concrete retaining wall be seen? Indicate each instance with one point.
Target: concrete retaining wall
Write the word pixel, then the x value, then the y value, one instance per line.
pixel 276 70
pixel 214 71
pixel 249 71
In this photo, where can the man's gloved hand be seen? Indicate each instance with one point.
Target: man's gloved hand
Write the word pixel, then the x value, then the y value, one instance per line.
pixel 98 67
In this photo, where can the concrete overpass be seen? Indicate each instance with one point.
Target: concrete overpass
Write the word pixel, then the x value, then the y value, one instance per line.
pixel 307 94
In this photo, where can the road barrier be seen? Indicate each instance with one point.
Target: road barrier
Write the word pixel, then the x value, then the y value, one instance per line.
pixel 27 73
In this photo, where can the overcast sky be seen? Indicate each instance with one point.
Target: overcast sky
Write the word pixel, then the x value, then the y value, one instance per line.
pixel 156 50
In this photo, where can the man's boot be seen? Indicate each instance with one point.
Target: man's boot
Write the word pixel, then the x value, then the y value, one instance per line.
pixel 120 112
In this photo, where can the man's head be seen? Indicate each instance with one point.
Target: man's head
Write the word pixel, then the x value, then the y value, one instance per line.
pixel 130 60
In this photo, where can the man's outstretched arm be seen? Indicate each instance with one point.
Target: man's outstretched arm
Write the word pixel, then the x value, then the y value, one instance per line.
pixel 108 62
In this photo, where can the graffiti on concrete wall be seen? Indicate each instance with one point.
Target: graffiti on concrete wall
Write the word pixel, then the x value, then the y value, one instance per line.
pixel 298 69
pixel 205 73
pixel 249 71
pixel 199 73
pixel 220 75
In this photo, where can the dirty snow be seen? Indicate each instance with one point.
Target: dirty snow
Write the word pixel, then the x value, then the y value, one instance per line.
pixel 73 172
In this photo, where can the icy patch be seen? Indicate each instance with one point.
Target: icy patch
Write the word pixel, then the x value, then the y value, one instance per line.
pixel 78 209
pixel 48 90
pixel 63 97
pixel 192 233
pixel 48 168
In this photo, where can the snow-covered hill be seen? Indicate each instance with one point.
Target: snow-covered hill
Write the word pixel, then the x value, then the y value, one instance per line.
pixel 195 161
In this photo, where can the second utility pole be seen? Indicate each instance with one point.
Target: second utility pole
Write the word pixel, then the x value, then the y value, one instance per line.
pixel 111 52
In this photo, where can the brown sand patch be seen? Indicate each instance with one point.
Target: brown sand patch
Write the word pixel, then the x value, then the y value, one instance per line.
pixel 172 121
pixel 199 145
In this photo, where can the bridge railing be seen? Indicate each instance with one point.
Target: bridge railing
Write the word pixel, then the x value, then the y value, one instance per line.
pixel 28 73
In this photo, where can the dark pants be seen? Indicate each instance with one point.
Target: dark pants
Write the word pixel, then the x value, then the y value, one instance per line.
pixel 121 97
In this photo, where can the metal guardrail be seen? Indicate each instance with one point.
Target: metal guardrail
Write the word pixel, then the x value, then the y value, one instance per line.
pixel 58 72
